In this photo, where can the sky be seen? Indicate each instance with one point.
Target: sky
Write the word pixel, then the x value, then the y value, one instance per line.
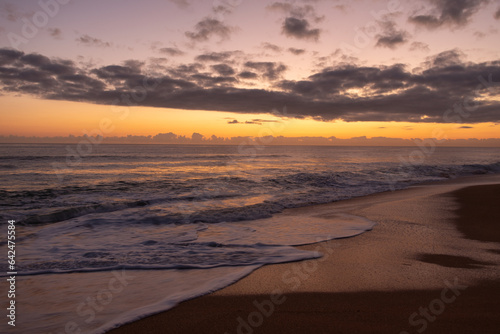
pixel 229 68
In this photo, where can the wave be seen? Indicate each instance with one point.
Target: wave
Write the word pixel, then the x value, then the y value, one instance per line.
pixel 136 157
pixel 280 254
pixel 68 213
pixel 209 199
pixel 8 166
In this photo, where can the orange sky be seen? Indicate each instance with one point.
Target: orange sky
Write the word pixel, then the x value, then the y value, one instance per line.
pixel 27 116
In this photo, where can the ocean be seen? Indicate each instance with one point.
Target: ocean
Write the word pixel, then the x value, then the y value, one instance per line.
pixel 111 233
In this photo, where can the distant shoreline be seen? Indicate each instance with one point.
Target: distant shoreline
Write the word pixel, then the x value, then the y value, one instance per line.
pixel 408 145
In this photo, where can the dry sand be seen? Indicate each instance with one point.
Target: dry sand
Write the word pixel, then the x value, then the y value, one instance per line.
pixel 432 263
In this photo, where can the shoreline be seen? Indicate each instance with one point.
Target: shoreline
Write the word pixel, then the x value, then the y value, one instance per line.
pixel 407 260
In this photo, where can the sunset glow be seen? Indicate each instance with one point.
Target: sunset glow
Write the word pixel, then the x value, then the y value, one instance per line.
pixel 343 70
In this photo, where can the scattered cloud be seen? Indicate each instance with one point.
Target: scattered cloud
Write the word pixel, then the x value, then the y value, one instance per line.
pixel 297 20
pixel 296 51
pixel 216 56
pixel 419 46
pixel 209 27
pixel 299 28
pixel 92 41
pixel 269 70
pixel 297 11
pixel 221 10
pixel 55 32
pixel 391 41
pixel 453 13
pixel 466 127
pixel 223 69
pixel 391 37
pixel 435 93
pixel 445 59
pixel 272 47
pixel 497 14
pixel 248 75
pixel 185 70
pixel 171 51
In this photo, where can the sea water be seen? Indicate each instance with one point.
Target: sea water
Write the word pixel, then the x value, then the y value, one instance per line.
pixel 130 230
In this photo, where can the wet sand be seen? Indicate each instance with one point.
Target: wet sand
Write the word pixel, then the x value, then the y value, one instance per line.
pixel 431 264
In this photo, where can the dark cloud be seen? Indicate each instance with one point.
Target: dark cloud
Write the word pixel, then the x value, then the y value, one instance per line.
pixel 299 28
pixel 445 59
pixel 35 59
pixel 8 56
pixel 171 51
pixel 296 51
pixel 248 75
pixel 454 13
pixel 38 75
pixel 215 56
pixel 497 14
pixel 466 127
pixel 297 20
pixel 92 41
pixel 234 121
pixel 445 89
pixel 135 65
pixel 391 37
pixel 391 41
pixel 116 72
pixel 223 69
pixel 185 70
pixel 209 27
pixel 268 70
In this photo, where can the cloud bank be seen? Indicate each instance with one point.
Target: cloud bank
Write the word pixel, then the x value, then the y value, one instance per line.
pixel 445 89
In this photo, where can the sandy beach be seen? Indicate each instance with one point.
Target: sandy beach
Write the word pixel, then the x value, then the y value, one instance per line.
pixel 431 264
